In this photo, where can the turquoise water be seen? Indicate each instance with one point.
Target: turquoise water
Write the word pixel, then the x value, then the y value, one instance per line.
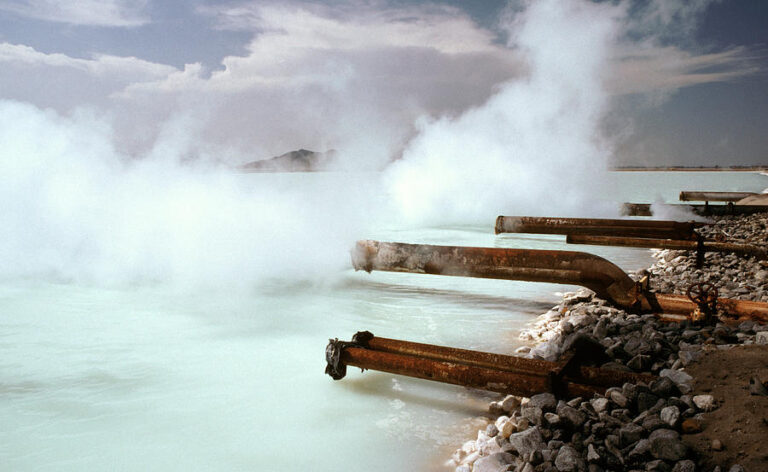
pixel 651 187
pixel 138 376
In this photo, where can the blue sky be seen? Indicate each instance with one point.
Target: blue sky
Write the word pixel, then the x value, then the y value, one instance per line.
pixel 687 81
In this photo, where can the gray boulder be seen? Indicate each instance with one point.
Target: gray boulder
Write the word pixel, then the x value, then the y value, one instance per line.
pixel 569 460
pixel 666 445
pixel 545 401
pixel 525 442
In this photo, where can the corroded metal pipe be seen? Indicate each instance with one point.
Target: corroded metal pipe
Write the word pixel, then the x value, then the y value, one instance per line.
pixel 486 371
pixel 739 310
pixel 606 279
pixel 559 267
pixel 596 226
pixel 459 374
pixel 707 246
pixel 592 375
pixel 698 196
pixel 644 209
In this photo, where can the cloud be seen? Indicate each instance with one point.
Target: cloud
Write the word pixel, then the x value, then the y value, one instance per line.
pixel 667 20
pixel 662 70
pixel 65 82
pixel 311 79
pixel 445 29
pixel 100 65
pixel 118 13
pixel 350 76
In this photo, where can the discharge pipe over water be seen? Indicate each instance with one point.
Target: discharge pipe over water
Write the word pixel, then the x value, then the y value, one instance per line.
pixel 603 277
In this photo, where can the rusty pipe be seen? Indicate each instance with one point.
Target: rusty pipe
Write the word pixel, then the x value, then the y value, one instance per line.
pixel 606 279
pixel 560 267
pixel 596 226
pixel 644 209
pixel 592 375
pixel 699 196
pixel 508 383
pixel 708 246
pixel 739 310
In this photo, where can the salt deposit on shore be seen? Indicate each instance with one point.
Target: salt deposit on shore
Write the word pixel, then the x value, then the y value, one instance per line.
pixel 669 425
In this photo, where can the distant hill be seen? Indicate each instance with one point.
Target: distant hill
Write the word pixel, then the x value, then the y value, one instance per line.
pixel 302 160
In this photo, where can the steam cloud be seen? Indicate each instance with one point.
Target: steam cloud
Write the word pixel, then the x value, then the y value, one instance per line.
pixel 77 206
pixel 533 148
pixel 77 210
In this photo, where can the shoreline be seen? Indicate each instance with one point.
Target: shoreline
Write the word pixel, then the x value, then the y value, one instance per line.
pixel 670 425
pixel 759 170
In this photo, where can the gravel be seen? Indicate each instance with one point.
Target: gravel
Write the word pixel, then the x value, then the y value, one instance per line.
pixel 633 427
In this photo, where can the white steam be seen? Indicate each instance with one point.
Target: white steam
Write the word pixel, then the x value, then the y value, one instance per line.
pixel 535 147
pixel 75 209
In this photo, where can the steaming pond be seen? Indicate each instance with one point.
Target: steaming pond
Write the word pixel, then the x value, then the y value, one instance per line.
pixel 150 378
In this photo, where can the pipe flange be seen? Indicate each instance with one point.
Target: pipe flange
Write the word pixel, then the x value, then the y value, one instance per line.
pixel 334 365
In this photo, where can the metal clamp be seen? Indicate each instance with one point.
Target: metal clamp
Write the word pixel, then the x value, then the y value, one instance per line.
pixel 704 295
pixel 335 367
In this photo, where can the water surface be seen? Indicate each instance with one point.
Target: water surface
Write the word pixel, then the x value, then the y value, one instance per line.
pixel 149 377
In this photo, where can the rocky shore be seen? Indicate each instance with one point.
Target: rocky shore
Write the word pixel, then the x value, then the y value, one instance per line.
pixel 708 410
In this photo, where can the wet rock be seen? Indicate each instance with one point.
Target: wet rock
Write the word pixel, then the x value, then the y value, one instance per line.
pixel 548 351
pixel 493 463
pixel 761 337
pixel 491 446
pixel 471 458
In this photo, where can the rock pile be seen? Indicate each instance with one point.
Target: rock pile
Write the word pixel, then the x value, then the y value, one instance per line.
pixel 634 427
pixel 734 276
